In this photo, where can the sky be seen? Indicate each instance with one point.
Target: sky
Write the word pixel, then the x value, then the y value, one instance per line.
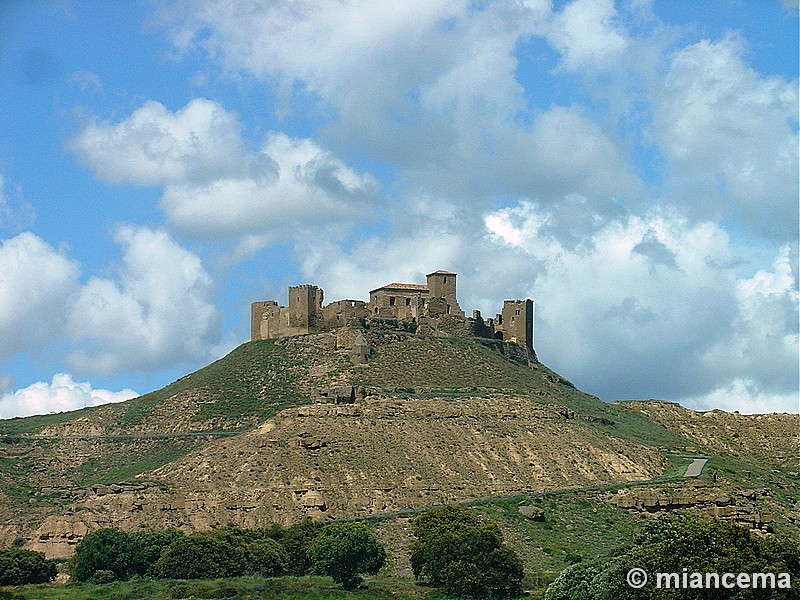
pixel 632 166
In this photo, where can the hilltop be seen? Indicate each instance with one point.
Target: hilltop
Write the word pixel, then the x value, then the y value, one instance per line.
pixel 280 430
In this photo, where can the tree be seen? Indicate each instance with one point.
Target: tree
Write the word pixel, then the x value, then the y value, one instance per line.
pixel 464 554
pixel 678 544
pixel 344 551
pixel 297 540
pixel 267 558
pixel 201 556
pixel 144 548
pixel 111 554
pixel 20 567
pixel 102 550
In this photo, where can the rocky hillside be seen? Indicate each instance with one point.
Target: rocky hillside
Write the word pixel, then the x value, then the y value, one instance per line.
pixel 279 430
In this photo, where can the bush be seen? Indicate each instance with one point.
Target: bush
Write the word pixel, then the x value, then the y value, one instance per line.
pixel 344 551
pixel 201 556
pixel 101 550
pixel 19 567
pixel 145 548
pixel 674 544
pixel 267 558
pixel 464 554
pixel 119 555
pixel 296 541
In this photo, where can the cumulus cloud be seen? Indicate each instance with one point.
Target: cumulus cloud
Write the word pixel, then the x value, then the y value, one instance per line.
pixel 640 307
pixel 6 383
pixel 563 153
pixel 37 283
pixel 588 34
pixel 303 186
pixel 60 395
pixel 213 185
pixel 744 396
pixel 154 146
pixel 157 312
pixel 654 306
pixel 731 137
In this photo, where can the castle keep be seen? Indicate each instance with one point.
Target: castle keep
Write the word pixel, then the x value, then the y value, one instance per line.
pixel 427 309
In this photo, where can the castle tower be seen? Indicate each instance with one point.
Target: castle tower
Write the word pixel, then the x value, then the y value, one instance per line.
pixel 442 284
pixel 305 305
pixel 517 322
pixel 257 311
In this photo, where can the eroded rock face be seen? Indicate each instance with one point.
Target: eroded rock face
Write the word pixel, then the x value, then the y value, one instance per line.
pixel 749 508
pixel 381 454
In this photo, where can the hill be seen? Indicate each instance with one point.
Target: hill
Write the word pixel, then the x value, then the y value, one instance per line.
pixel 280 430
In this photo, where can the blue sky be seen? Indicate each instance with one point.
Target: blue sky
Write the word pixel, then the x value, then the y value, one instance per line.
pixel 632 166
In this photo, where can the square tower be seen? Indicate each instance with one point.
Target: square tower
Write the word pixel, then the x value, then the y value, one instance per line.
pixel 442 284
pixel 305 305
pixel 517 322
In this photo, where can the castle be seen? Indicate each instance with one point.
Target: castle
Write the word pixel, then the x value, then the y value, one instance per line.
pixel 426 309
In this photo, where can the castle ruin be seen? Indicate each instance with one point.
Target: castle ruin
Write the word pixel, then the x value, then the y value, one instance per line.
pixel 426 309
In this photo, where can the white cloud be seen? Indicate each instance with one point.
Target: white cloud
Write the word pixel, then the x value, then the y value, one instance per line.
pixel 154 146
pixel 305 186
pixel 730 136
pixel 565 153
pixel 745 396
pixel 588 34
pixel 214 186
pixel 158 311
pixel 37 283
pixel 87 80
pixel 654 306
pixel 62 394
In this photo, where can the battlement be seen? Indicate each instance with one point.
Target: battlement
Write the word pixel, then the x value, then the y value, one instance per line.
pixel 428 309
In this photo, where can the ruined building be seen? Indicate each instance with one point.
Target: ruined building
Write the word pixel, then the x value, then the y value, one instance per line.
pixel 427 309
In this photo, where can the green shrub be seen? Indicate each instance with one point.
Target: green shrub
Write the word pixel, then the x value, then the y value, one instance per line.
pixel 296 541
pixel 145 548
pixel 267 558
pixel 101 550
pixel 201 556
pixel 678 544
pixel 344 551
pixel 119 555
pixel 464 554
pixel 19 567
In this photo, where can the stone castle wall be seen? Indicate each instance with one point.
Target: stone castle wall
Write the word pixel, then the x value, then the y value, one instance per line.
pixel 430 309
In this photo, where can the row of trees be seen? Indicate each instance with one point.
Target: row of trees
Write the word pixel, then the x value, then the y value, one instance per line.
pixel 455 550
pixel 341 550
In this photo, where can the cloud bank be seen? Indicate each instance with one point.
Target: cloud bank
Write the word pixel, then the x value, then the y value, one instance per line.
pixel 60 395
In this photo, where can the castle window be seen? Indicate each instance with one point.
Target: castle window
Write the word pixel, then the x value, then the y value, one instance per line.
pixel 445 280
pixel 391 300
pixel 517 311
pixel 408 301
